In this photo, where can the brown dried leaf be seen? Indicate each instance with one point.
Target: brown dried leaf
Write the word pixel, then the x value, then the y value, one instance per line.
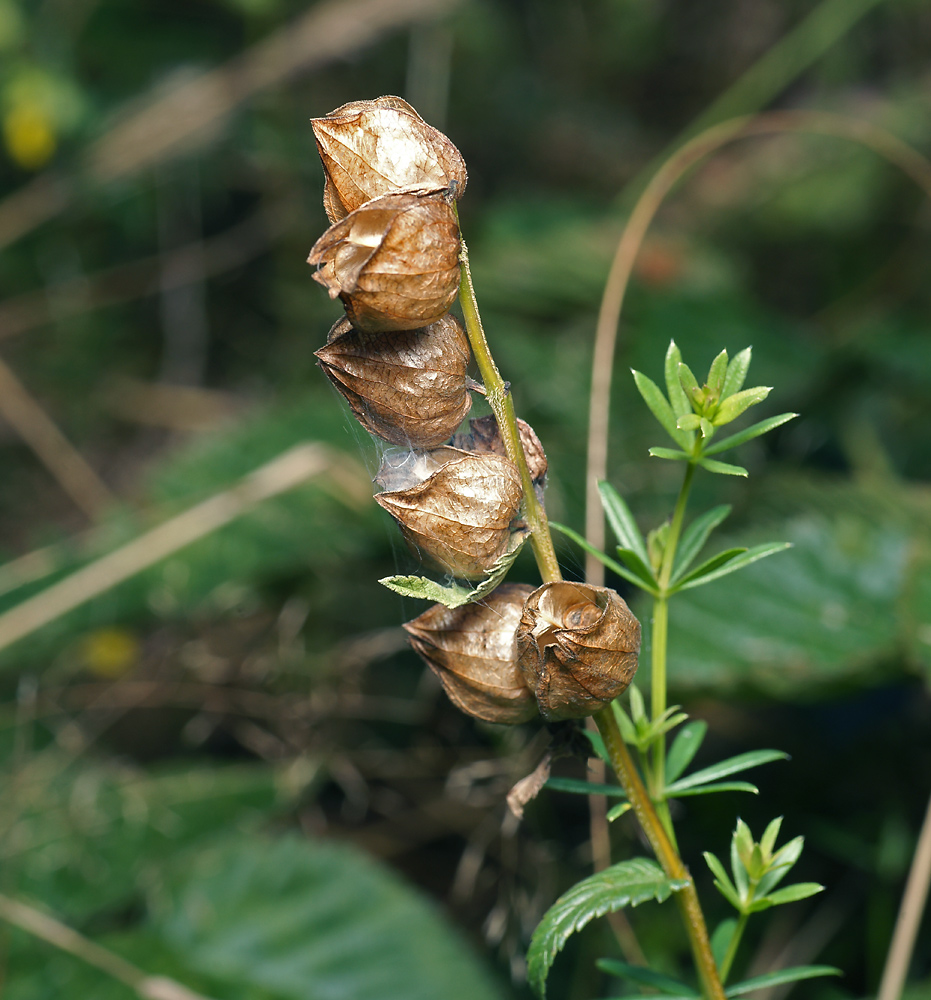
pixel 460 517
pixel 394 262
pixel 408 386
pixel 577 648
pixel 473 651
pixel 371 148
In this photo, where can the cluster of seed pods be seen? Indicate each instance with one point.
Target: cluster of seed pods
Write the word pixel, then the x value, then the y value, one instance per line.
pixel 400 359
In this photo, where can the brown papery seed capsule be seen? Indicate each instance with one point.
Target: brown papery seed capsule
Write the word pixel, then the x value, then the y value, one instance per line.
pixel 371 148
pixel 407 386
pixel 577 648
pixel 394 262
pixel 402 468
pixel 460 517
pixel 484 436
pixel 473 651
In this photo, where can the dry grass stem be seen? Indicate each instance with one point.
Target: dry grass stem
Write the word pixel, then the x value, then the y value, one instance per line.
pixel 51 447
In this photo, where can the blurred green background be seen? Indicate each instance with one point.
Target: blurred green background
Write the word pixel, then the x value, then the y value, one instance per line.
pixel 227 768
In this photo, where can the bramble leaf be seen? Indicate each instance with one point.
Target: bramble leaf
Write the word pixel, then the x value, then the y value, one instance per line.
pixel 628 883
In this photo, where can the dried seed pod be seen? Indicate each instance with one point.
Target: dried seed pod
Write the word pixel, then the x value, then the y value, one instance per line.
pixel 460 517
pixel 371 148
pixel 577 648
pixel 473 651
pixel 407 386
pixel 394 262
pixel 402 468
pixel 484 436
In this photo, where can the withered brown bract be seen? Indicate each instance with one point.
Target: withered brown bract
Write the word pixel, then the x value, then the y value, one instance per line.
pixel 577 648
pixel 371 148
pixel 407 386
pixel 394 261
pixel 460 517
pixel 473 651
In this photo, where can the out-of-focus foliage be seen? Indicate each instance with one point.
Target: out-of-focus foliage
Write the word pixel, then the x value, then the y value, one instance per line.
pixel 232 706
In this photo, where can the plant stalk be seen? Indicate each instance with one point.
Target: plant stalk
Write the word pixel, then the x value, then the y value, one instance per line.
pixel 497 392
pixel 666 854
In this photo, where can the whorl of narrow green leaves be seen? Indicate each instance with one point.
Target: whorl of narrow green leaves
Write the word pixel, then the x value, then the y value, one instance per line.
pixel 694 411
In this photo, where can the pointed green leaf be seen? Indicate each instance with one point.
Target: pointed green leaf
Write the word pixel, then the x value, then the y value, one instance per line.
pixel 455 595
pixel 612 565
pixel 615 812
pixel 638 711
pixel 694 538
pixel 677 397
pixel 720 786
pixel 689 422
pixel 781 864
pixel 660 408
pixel 749 433
pixel 721 939
pixel 783 976
pixel 738 868
pixel 768 840
pixel 738 562
pixel 622 521
pixel 639 974
pixel 598 745
pixel 670 453
pixel 742 762
pixel 626 726
pixel 707 567
pixel 722 880
pixel 793 893
pixel 736 372
pixel 628 883
pixel 637 566
pixel 707 428
pixel 579 787
pixel 684 747
pixel 717 373
pixel 722 468
pixel 733 406
pixel 688 381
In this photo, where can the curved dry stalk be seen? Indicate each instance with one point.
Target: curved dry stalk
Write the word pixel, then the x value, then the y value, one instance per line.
pixel 884 143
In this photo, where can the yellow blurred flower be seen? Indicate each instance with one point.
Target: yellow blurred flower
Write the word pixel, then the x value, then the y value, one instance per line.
pixel 29 135
pixel 110 652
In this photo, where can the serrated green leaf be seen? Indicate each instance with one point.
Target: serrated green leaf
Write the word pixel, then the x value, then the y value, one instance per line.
pixel 670 453
pixel 639 974
pixel 732 407
pixel 722 786
pixel 706 568
pixel 684 747
pixel 615 812
pixel 677 397
pixel 628 883
pixel 722 880
pixel 695 536
pixel 749 433
pixel 793 893
pixel 637 566
pixel 783 976
pixel 733 765
pixel 612 564
pixel 660 408
pixel 722 468
pixel 717 373
pixel 738 562
pixel 736 372
pixel 578 787
pixel 455 595
pixel 622 521
pixel 721 939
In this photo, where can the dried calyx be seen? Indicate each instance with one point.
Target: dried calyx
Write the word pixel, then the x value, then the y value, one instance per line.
pixel 460 518
pixel 394 261
pixel 409 387
pixel 472 649
pixel 371 148
pixel 577 648
pixel 485 436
